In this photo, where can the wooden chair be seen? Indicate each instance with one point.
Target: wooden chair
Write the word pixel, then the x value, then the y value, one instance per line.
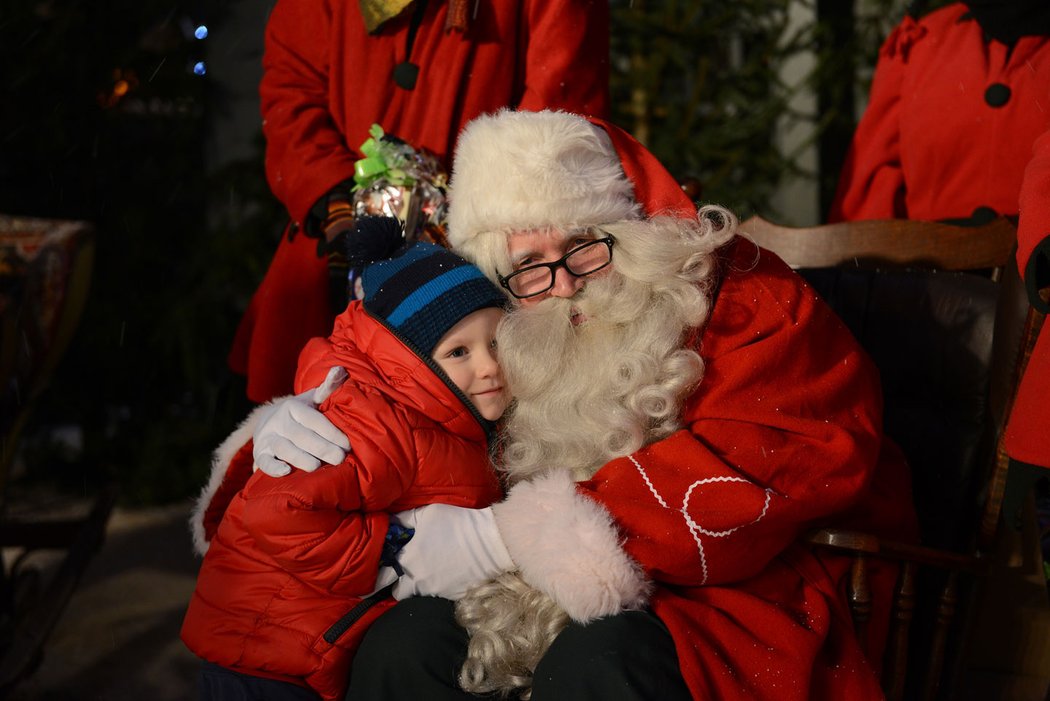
pixel 950 347
pixel 888 243
pixel 45 270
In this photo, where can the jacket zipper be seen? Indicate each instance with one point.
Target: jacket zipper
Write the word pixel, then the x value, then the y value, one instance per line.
pixel 354 615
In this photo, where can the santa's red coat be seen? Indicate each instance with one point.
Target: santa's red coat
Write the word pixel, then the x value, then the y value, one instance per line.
pixel 933 143
pixel 783 434
pixel 326 81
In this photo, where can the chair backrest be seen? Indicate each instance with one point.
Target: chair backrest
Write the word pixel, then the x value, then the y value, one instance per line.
pixel 950 347
pixel 888 243
pixel 937 336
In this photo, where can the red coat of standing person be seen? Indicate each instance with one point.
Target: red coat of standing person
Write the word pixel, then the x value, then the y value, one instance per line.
pixel 958 98
pixel 421 74
pixel 957 107
pixel 1027 439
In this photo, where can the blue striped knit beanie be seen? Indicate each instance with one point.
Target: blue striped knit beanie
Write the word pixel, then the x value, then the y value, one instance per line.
pixel 421 290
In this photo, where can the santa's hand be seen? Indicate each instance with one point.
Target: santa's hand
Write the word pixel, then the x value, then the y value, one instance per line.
pixel 453 550
pixel 291 432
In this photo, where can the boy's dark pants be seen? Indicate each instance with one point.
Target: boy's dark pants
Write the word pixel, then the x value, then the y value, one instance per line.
pixel 215 683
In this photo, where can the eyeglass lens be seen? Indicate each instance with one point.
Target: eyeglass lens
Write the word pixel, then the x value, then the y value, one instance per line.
pixel 581 261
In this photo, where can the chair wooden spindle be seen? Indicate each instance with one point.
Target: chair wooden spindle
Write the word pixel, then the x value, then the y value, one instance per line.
pixel 860 594
pixel 896 660
pixel 945 615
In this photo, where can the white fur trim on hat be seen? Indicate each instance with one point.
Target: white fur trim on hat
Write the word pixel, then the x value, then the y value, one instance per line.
pixel 532 170
pixel 567 546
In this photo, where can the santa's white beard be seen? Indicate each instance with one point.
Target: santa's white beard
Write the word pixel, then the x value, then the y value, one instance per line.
pixel 586 394
pixel 601 389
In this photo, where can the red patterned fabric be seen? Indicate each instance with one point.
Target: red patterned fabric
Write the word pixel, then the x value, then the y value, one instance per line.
pixel 37 262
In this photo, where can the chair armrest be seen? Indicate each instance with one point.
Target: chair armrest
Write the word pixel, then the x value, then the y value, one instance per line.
pixel 858 542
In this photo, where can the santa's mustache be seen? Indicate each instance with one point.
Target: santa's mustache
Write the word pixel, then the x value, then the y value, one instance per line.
pixel 540 345
pixel 543 338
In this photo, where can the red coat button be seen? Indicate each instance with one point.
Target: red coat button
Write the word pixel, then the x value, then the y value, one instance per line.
pixel 997 94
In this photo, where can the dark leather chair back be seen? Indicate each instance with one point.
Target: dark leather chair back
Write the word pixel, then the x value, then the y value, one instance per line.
pixel 950 347
pixel 930 334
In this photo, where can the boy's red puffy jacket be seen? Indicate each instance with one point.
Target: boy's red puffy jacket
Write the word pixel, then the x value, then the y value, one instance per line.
pixel 292 556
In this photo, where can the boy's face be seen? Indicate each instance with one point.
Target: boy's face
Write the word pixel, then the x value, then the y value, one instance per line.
pixel 467 354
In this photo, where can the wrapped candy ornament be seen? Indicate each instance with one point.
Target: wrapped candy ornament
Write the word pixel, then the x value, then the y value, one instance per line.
pixel 395 180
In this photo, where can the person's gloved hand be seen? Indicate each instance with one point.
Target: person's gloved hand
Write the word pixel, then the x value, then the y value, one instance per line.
pixel 290 432
pixel 453 549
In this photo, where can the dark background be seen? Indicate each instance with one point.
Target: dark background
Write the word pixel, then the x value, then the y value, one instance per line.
pixel 103 119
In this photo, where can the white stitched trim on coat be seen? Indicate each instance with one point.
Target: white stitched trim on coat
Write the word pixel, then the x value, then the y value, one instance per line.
pixel 694 528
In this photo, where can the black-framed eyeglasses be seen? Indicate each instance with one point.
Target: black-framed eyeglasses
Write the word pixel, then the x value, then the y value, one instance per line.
pixel 536 279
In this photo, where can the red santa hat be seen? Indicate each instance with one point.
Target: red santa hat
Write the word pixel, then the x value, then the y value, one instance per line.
pixel 518 171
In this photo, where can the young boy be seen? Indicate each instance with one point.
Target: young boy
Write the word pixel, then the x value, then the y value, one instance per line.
pixel 287 587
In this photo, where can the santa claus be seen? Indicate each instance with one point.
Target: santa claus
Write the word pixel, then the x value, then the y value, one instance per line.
pixel 685 408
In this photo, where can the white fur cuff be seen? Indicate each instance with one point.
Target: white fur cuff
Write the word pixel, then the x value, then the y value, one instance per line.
pixel 220 461
pixel 567 546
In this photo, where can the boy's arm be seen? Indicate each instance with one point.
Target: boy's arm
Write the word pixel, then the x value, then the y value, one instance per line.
pixel 328 528
pixel 290 431
pixel 313 527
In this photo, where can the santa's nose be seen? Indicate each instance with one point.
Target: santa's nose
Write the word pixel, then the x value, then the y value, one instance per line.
pixel 566 284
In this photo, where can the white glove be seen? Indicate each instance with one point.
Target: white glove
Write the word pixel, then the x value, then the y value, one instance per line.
pixel 453 549
pixel 290 432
